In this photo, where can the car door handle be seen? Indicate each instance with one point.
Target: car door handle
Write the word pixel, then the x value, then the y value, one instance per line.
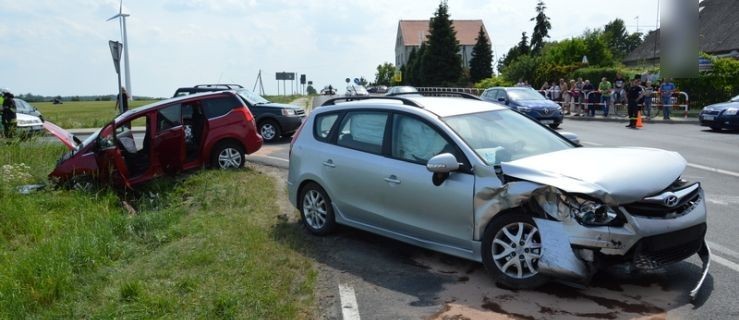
pixel 392 179
pixel 329 163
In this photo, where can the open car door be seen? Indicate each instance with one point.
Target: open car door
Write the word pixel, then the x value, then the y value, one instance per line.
pixel 112 166
pixel 169 139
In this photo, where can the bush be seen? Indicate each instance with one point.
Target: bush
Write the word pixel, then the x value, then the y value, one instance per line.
pixel 494 81
pixel 718 85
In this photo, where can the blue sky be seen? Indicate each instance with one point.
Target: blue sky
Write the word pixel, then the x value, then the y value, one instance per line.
pixel 53 47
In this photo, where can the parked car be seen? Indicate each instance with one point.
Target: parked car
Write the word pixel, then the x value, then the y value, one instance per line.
pixel 482 182
pixel 398 90
pixel 210 129
pixel 377 89
pixel 528 101
pixel 28 124
pixel 721 115
pixel 355 90
pixel 328 91
pixel 274 120
pixel 21 106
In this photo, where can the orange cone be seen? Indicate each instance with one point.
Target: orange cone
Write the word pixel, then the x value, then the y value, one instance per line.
pixel 639 124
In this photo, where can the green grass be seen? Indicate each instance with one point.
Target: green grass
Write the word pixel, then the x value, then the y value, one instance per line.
pixel 95 114
pixel 208 245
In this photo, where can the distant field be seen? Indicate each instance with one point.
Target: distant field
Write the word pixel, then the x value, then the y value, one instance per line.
pixel 95 114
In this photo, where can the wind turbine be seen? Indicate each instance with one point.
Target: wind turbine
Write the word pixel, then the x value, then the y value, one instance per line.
pixel 122 16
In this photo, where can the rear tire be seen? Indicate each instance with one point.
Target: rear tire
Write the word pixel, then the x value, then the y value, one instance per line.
pixel 511 248
pixel 316 210
pixel 228 155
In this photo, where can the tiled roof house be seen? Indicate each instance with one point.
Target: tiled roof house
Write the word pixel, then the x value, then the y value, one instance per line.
pixel 411 33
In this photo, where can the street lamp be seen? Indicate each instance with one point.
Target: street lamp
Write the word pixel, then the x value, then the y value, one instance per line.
pixel 115 50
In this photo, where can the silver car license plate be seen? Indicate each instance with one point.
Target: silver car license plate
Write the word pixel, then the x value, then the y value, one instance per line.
pixel 547 121
pixel 709 118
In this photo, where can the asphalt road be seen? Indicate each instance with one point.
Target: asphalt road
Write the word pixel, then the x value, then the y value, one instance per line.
pixel 391 280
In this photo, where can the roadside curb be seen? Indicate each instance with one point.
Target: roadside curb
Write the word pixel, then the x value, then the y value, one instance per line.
pixel 625 119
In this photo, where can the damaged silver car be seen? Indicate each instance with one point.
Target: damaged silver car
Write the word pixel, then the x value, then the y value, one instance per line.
pixel 482 182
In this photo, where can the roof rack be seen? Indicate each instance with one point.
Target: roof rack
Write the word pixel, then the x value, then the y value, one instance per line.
pixel 221 85
pixel 445 94
pixel 405 101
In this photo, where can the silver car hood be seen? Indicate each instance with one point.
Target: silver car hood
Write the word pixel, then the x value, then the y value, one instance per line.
pixel 613 175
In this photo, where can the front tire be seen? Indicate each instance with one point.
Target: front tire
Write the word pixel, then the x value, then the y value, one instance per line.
pixel 269 130
pixel 554 125
pixel 228 155
pixel 316 210
pixel 511 249
pixel 716 129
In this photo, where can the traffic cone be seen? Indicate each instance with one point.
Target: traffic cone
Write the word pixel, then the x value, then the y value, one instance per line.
pixel 639 124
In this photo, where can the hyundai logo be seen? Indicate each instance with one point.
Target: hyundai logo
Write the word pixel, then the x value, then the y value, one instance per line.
pixel 671 200
pixel 546 110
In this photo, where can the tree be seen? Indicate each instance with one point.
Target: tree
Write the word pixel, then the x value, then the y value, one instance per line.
pixel 407 68
pixel 481 64
pixel 441 64
pixel 619 40
pixel 385 73
pixel 541 29
pixel 418 79
pixel 522 48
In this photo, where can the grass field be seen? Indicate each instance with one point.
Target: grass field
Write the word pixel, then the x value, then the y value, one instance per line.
pixel 95 114
pixel 207 245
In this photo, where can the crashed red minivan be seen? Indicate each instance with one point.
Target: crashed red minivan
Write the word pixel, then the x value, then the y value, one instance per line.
pixel 213 129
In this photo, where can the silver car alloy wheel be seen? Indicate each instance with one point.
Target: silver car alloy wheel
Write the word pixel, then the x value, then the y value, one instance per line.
pixel 314 209
pixel 268 131
pixel 229 158
pixel 517 249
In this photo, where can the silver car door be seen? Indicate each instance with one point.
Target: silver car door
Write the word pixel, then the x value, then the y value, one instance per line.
pixel 438 214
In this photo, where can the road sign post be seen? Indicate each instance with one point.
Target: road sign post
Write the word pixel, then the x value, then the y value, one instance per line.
pixel 115 50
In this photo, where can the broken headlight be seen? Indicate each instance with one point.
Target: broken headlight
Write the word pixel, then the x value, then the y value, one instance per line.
pixel 563 207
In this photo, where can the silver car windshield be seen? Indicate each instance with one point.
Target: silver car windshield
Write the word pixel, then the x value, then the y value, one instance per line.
pixel 251 97
pixel 524 94
pixel 504 135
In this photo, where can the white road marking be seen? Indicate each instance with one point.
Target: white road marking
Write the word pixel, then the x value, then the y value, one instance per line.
pixel 725 262
pixel 722 249
pixel 349 307
pixel 726 172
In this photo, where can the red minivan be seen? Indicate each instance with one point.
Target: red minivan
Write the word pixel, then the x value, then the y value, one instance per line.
pixel 213 129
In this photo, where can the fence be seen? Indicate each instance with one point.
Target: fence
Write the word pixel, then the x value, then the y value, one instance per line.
pixel 474 91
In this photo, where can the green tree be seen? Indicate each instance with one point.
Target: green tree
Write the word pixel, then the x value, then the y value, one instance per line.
pixel 541 29
pixel 619 40
pixel 407 68
pixel 441 64
pixel 418 79
pixel 385 73
pixel 481 64
pixel 522 48
pixel 598 51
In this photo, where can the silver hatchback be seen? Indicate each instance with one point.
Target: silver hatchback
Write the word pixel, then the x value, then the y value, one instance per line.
pixel 485 183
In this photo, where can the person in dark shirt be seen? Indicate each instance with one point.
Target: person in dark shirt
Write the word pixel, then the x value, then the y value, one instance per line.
pixel 118 100
pixel 587 88
pixel 8 115
pixel 634 93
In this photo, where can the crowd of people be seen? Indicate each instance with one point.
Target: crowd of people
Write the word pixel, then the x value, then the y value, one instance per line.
pixel 580 97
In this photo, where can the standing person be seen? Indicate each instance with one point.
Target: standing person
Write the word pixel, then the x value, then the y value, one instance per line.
pixel 648 93
pixel 565 89
pixel 125 100
pixel 577 92
pixel 605 94
pixel 545 89
pixel 665 91
pixel 8 116
pixel 633 94
pixel 619 84
pixel 588 87
pixel 555 91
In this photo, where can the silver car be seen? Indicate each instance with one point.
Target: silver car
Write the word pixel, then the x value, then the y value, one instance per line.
pixel 485 183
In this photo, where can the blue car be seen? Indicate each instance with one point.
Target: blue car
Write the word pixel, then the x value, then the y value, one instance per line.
pixel 721 115
pixel 527 101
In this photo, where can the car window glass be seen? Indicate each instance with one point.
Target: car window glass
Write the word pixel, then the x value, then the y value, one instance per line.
pixel 416 141
pixel 217 107
pixel 168 117
pixel 363 131
pixel 323 126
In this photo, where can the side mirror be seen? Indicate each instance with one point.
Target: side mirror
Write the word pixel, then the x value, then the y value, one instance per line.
pixel 442 163
pixel 571 136
pixel 501 100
